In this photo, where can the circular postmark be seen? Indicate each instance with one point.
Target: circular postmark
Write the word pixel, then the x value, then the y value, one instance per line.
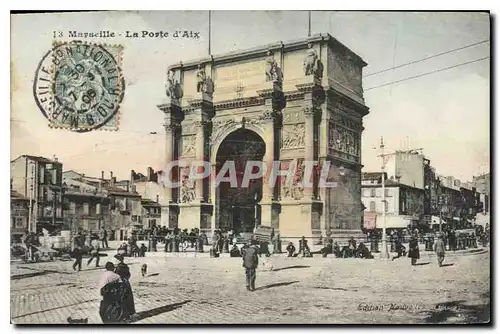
pixel 79 86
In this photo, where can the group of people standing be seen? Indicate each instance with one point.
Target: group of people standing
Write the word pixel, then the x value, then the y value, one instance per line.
pixel 117 304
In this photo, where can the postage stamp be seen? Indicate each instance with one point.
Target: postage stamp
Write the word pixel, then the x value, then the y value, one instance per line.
pixel 79 86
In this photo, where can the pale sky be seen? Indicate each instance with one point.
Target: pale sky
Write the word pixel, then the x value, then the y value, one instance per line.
pixel 446 113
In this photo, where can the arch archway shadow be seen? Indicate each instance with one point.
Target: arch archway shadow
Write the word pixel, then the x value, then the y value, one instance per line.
pixel 236 207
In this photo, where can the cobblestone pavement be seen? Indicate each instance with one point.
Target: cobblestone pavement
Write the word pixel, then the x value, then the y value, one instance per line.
pixel 289 290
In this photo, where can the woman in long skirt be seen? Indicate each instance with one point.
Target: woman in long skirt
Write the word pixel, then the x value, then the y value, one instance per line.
pixel 128 298
pixel 413 252
pixel 112 291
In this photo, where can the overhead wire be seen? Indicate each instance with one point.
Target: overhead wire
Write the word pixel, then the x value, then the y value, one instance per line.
pixel 427 73
pixel 425 58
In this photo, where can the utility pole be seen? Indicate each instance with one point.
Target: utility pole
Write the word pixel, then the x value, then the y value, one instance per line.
pixel 30 214
pixel 384 252
pixel 209 32
pixel 309 25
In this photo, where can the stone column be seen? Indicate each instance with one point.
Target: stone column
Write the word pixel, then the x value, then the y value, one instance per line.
pixel 309 114
pixel 269 156
pixel 172 120
pixel 169 156
pixel 200 156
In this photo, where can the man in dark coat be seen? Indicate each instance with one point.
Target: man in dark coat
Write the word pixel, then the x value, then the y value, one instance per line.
pixel 413 252
pixel 250 257
pixel 78 251
pixel 439 247
pixel 290 249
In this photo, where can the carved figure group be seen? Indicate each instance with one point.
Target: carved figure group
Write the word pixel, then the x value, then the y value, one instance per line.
pixel 188 191
pixel 312 65
pixel 294 137
pixel 295 190
pixel 344 141
pixel 173 88
pixel 273 72
pixel 204 83
pixel 188 146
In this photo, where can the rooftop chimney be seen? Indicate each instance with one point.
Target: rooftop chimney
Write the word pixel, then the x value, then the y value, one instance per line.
pixel 54 158
pixel 150 174
pixel 157 198
pixel 132 175
pixel 102 175
pixel 128 186
pixel 111 175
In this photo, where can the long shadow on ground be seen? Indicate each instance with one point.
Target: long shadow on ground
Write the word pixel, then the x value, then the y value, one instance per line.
pixel 159 310
pixel 291 267
pixel 422 263
pixel 275 285
pixel 468 314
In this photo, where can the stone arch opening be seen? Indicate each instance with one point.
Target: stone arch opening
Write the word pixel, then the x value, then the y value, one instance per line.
pixel 237 207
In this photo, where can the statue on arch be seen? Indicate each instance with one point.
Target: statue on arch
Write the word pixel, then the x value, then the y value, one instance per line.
pixel 201 77
pixel 312 64
pixel 172 87
pixel 204 83
pixel 273 72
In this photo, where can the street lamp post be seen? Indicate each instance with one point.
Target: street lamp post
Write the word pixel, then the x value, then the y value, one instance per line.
pixel 384 251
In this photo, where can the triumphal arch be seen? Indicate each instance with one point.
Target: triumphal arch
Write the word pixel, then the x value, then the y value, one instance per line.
pixel 289 102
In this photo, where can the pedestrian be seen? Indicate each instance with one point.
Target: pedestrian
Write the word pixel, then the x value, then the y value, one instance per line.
pixel 290 249
pixel 352 247
pixel 78 242
pixel 215 241
pixel 250 263
pixel 128 301
pixel 103 235
pixel 112 291
pixel 439 247
pixel 94 251
pixel 235 252
pixel 304 248
pixel 413 252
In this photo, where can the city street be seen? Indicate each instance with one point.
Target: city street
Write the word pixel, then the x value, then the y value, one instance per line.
pixel 201 290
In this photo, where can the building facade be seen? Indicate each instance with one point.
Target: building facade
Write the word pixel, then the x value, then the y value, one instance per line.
pixel 119 210
pixel 19 216
pixel 40 178
pixel 151 213
pixel 151 187
pixel 404 205
pixel 288 102
pixel 86 206
pixel 482 184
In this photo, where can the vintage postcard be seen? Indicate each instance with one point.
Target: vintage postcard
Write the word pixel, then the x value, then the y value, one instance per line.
pixel 250 167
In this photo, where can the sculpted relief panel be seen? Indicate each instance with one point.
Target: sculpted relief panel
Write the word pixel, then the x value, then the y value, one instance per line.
pixel 188 192
pixel 345 141
pixel 293 190
pixel 188 145
pixel 293 135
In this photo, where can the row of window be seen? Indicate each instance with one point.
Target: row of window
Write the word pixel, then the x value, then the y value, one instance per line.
pixel 19 222
pixel 373 207
pixel 373 192
pixel 153 211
